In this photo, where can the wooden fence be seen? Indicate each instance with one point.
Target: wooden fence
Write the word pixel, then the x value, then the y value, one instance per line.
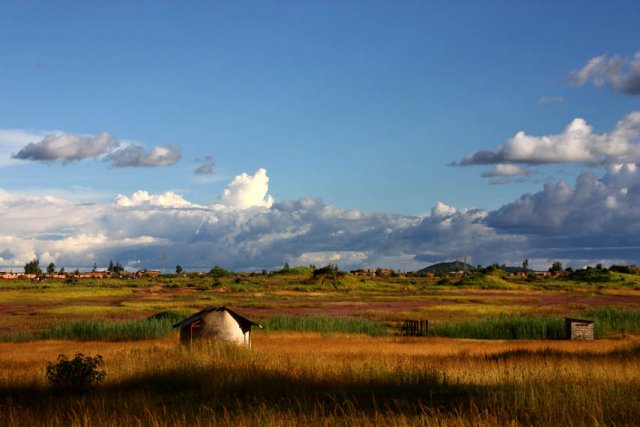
pixel 415 328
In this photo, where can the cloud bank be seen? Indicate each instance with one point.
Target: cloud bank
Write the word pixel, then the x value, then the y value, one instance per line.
pixel 597 219
pixel 622 75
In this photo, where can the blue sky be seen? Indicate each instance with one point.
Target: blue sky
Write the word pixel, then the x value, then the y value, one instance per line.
pixel 357 106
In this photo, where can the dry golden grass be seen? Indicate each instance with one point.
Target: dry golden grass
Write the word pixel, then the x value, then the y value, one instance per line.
pixel 313 379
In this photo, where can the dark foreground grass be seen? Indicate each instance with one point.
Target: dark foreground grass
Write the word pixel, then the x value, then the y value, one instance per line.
pixel 224 386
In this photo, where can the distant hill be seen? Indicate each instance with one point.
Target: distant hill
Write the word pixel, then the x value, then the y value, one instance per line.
pixel 447 267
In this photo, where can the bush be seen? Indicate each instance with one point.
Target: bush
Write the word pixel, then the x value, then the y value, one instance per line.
pixel 590 275
pixel 76 375
pixel 330 270
pixel 218 271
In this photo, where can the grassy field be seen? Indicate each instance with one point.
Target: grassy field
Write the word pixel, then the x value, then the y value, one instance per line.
pixel 314 379
pixel 330 353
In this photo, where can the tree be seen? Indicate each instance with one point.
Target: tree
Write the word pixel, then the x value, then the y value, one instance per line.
pixel 118 268
pixel 94 268
pixel 178 269
pixel 286 266
pixel 115 268
pixel 525 265
pixel 33 267
pixel 61 271
pixel 555 267
pixel 51 268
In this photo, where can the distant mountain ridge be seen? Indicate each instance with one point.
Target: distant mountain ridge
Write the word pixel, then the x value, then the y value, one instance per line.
pixel 453 266
pixel 448 267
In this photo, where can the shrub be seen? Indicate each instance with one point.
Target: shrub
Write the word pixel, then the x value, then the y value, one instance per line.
pixel 330 270
pixel 590 275
pixel 171 316
pixel 76 375
pixel 218 271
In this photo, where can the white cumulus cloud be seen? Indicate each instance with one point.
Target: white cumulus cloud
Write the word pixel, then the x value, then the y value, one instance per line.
pixel 247 191
pixel 578 143
pixel 143 198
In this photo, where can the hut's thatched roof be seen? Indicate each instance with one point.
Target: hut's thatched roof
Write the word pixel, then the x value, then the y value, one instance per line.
pixel 245 324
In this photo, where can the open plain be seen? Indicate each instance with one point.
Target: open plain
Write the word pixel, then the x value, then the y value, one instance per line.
pixel 305 368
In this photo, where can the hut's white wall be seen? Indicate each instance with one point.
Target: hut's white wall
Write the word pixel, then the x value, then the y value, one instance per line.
pixel 217 325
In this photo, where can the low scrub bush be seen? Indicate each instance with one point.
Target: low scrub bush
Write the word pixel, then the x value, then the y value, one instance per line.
pixel 217 272
pixel 589 275
pixel 171 316
pixel 76 375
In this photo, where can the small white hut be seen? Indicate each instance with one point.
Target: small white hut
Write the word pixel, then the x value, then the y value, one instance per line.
pixel 216 323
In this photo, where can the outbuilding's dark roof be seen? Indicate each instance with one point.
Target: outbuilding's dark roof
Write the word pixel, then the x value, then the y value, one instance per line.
pixel 578 320
pixel 245 324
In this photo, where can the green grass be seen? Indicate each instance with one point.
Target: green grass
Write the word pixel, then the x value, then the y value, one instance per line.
pixel 608 320
pixel 612 320
pixel 93 330
pixel 324 324
pixel 502 328
pixel 482 281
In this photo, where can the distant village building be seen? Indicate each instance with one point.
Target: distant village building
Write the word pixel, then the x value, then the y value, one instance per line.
pixel 218 324
pixel 147 273
pixel 372 272
pixel 364 272
pixel 93 275
pixel 578 329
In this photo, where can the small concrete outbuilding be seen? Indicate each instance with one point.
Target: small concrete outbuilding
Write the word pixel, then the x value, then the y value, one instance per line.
pixel 216 324
pixel 578 329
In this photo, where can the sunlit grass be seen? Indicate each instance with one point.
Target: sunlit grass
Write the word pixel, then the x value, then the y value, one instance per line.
pixel 329 380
